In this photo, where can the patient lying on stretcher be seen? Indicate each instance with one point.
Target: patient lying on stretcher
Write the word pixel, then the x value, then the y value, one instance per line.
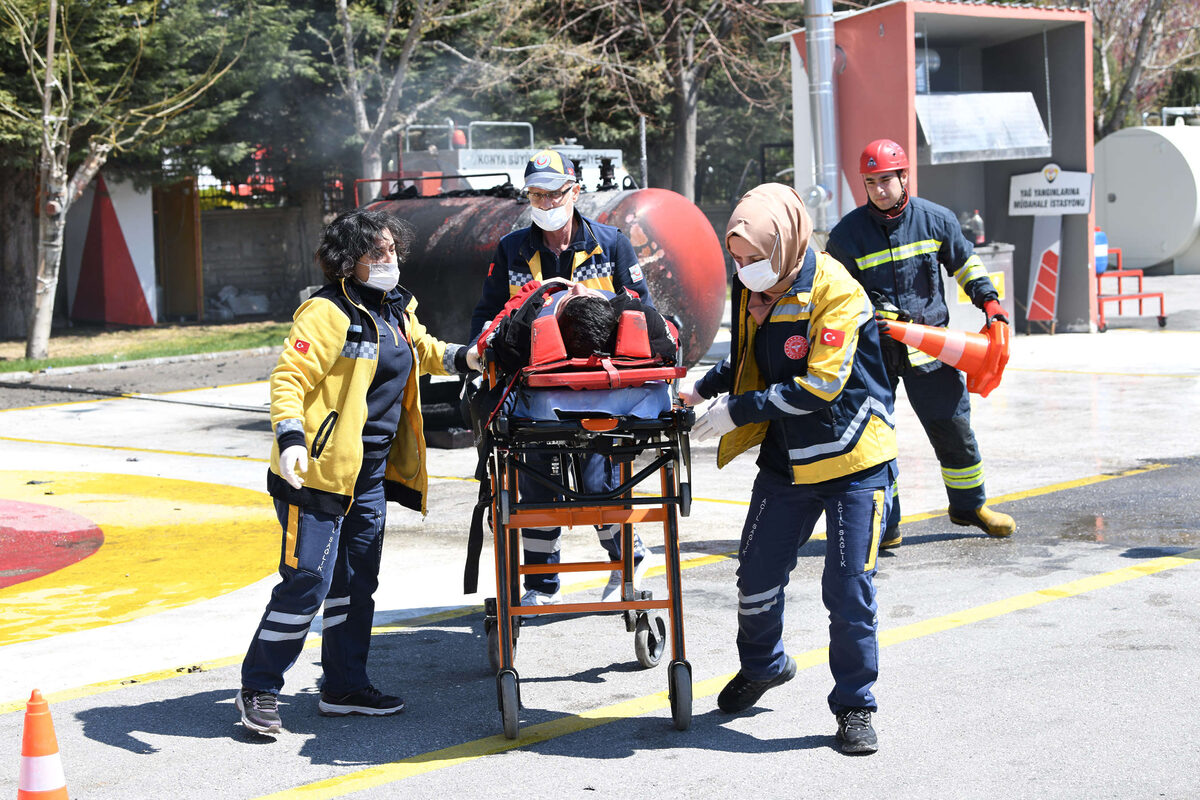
pixel 550 341
pixel 588 321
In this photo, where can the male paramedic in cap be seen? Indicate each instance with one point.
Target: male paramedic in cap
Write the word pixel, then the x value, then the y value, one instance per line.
pixel 895 246
pixel 562 243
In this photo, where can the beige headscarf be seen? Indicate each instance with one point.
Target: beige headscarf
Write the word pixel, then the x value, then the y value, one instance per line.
pixel 763 211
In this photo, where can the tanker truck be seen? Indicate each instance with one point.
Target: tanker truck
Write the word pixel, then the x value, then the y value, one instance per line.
pixel 460 216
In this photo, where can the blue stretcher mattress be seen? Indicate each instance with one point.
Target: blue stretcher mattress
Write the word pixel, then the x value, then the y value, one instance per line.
pixel 648 401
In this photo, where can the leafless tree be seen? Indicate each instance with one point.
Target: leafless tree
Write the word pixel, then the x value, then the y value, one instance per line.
pixel 1139 46
pixel 72 100
pixel 379 52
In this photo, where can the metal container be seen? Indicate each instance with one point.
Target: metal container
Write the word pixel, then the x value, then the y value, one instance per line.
pixel 456 238
pixel 1148 196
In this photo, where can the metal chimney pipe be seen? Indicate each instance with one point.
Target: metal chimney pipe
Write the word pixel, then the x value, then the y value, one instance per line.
pixel 819 49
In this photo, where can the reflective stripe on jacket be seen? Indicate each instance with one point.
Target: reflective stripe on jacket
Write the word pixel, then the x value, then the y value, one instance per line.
pixel 320 383
pixel 823 379
pixel 902 259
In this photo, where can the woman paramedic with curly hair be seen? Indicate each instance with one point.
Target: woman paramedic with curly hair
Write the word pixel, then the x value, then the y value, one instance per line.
pixel 805 380
pixel 348 438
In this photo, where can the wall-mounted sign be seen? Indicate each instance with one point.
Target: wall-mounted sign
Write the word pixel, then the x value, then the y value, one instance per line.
pixel 1051 192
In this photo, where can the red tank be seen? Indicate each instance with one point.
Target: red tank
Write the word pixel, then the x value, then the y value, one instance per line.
pixel 456 237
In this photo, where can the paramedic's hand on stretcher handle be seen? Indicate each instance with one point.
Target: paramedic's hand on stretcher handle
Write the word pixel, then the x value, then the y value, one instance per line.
pixel 715 421
pixel 691 396
pixel 474 360
pixel 292 460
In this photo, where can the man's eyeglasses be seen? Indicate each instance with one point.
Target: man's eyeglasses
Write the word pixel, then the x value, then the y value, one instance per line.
pixel 542 198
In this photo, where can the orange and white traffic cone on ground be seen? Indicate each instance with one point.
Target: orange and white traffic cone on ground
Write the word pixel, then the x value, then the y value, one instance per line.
pixel 41 768
pixel 982 356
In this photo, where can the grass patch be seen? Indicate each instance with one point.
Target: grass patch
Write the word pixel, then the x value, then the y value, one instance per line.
pixel 107 346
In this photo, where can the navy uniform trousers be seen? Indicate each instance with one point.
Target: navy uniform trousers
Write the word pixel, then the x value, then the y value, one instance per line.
pixel 326 559
pixel 780 520
pixel 542 545
pixel 943 406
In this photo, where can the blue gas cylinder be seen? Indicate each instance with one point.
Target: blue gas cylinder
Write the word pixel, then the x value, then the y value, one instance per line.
pixel 1101 247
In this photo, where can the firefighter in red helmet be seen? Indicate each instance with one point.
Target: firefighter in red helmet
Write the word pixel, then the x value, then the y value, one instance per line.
pixel 896 245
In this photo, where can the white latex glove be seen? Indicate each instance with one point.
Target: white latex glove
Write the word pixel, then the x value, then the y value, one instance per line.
pixel 474 361
pixel 715 421
pixel 292 460
pixel 691 396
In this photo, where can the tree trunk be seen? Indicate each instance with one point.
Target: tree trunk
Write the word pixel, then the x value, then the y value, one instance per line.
pixel 683 120
pixel 372 172
pixel 18 254
pixel 49 259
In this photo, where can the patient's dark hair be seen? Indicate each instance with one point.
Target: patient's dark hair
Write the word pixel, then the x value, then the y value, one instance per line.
pixel 587 324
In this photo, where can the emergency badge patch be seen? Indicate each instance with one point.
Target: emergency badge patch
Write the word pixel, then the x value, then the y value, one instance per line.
pixel 796 347
pixel 301 346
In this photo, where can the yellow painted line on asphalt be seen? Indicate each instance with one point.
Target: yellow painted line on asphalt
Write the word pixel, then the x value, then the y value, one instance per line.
pixel 167 543
pixel 127 449
pixel 534 734
pixel 314 640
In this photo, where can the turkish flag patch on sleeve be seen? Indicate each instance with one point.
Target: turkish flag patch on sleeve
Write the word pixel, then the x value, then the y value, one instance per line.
pixel 833 337
pixel 301 346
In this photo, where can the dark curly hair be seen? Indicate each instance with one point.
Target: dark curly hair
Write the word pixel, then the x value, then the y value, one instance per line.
pixel 353 235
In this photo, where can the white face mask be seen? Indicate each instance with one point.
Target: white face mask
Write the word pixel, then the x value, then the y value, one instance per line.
pixel 552 219
pixel 384 276
pixel 760 275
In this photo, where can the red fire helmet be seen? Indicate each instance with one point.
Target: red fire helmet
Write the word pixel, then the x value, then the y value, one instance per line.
pixel 882 155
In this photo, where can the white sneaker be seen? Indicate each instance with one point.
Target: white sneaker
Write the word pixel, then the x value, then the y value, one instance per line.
pixel 612 590
pixel 535 598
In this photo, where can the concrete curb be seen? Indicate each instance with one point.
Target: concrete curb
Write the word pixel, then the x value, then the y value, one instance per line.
pixel 28 377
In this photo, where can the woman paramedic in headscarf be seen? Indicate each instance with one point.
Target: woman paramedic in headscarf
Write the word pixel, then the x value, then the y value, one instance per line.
pixel 805 381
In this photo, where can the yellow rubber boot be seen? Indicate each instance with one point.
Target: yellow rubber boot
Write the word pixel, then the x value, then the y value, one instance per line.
pixel 891 538
pixel 993 523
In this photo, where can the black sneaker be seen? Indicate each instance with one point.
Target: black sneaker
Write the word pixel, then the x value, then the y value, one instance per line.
pixel 369 701
pixel 260 710
pixel 855 731
pixel 741 693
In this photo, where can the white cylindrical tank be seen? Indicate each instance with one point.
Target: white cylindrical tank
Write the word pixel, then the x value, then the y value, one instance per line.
pixel 1148 196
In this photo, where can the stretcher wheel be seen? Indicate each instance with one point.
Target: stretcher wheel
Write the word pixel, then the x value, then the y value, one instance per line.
pixel 1101 328
pixel 493 644
pixel 1162 321
pixel 510 702
pixel 679 685
pixel 649 639
pixel 685 499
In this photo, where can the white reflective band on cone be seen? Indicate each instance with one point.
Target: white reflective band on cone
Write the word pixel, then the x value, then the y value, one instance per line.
pixel 41 774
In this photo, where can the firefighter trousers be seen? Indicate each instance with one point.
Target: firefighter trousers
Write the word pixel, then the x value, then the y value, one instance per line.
pixel 330 560
pixel 780 521
pixel 943 406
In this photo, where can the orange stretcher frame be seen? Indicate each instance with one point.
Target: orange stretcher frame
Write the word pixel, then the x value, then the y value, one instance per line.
pixel 623 439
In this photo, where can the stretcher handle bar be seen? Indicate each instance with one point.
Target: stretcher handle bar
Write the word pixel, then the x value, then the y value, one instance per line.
pixel 584 515
pixel 569 566
pixel 619 491
pixel 588 608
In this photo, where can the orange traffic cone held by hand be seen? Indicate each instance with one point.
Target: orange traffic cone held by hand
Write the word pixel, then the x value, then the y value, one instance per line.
pixel 41 769
pixel 982 356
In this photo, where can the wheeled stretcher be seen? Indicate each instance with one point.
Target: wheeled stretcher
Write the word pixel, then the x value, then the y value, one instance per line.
pixel 556 411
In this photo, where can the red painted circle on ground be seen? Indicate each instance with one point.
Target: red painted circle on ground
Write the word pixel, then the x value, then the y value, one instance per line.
pixel 36 540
